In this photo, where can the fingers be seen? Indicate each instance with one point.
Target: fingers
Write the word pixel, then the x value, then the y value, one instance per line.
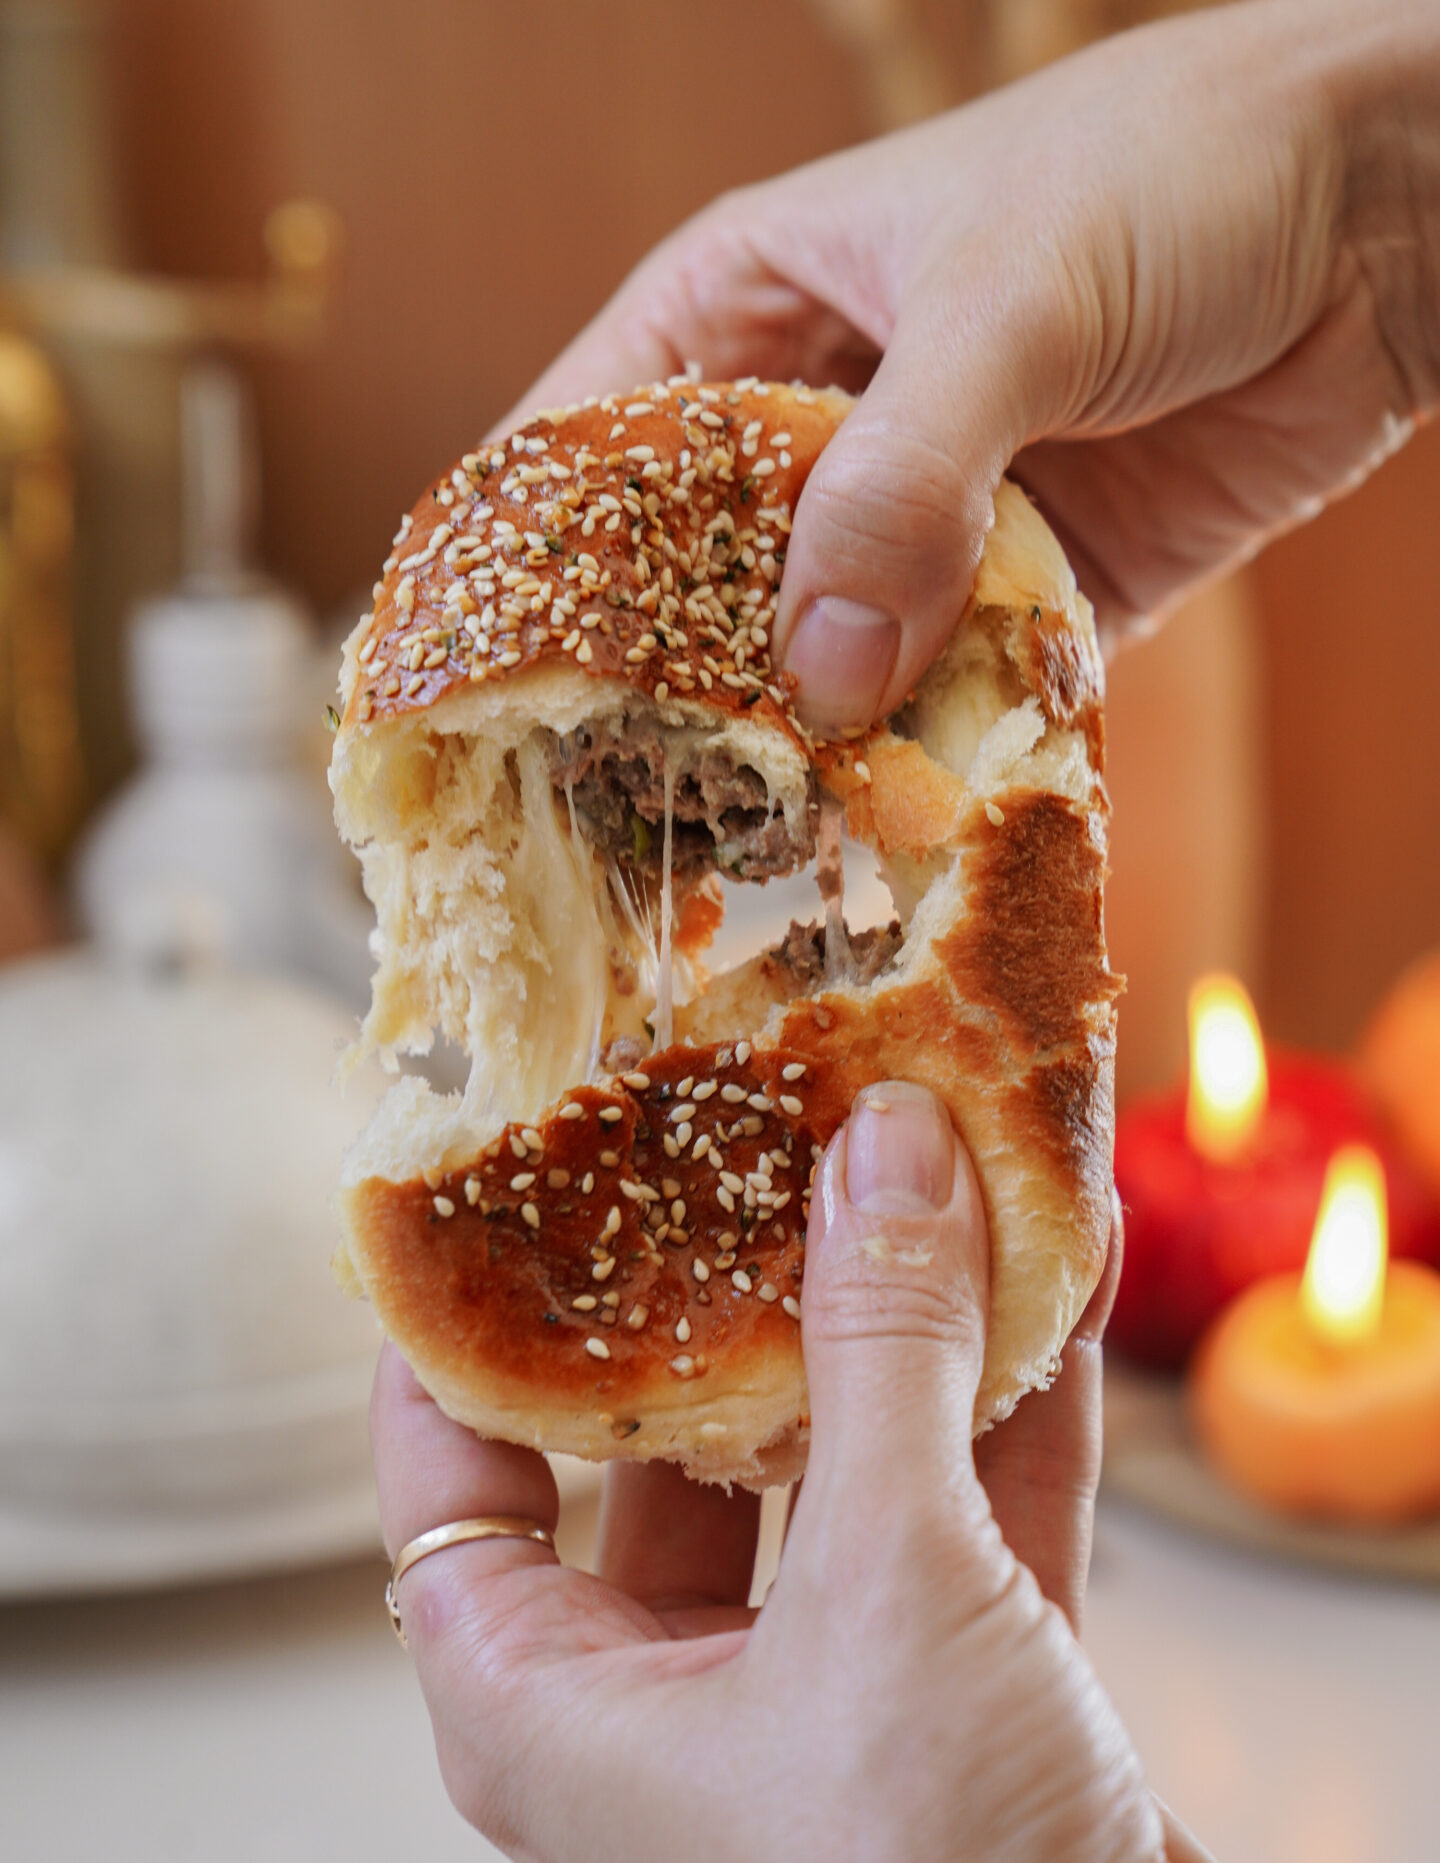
pixel 430 1471
pixel 677 1546
pixel 1041 1466
pixel 890 525
pixel 896 1293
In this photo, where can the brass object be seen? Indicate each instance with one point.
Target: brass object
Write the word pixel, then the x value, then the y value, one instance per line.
pixel 41 773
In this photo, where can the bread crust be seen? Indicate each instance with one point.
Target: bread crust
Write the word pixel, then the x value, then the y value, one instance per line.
pixel 528 1309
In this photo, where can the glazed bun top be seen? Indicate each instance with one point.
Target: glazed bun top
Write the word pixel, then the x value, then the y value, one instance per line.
pixel 642 537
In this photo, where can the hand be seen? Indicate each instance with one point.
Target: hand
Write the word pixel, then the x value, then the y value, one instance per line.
pixel 1181 286
pixel 912 1686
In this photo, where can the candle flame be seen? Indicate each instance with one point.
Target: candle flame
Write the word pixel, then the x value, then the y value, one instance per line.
pixel 1228 1082
pixel 1344 1283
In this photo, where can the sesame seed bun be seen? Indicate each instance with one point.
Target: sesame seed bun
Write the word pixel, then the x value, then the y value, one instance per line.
pixel 599 1246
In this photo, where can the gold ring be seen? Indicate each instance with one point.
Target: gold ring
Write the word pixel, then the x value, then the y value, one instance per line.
pixel 489 1527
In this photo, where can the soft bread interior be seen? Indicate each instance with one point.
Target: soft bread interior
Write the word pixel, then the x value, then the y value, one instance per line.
pixel 501 926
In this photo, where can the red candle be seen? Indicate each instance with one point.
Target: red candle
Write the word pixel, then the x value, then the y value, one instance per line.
pixel 1221 1180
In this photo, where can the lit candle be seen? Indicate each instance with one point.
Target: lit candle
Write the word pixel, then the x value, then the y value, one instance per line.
pixel 1319 1393
pixel 1221 1179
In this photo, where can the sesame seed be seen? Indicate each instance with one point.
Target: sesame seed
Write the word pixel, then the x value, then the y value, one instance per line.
pixel 603 1269
pixel 725 1199
pixel 685 1110
pixel 682 1330
pixel 791 1306
pixel 557 1180
pixel 518 1146
pixel 612 1221
pixel 597 1348
pixel 584 1303
pixel 444 1207
pixel 472 1191
pixel 994 815
pixel 639 1082
pixel 685 1086
pixel 794 1070
pixel 700 1270
pixel 768 1292
pixel 704 1090
pixel 532 1138
pixel 791 1105
pixel 610 1114
pixel 637 1316
pixel 432 1177
pixel 587 1183
pixel 572 1109
pixel 522 1180
pixel 609 1159
pixel 672 1148
pixel 683 1366
pixel 741 1281
pixel 733 1094
pixel 742 1053
pixel 760 1103
pixel 732 1182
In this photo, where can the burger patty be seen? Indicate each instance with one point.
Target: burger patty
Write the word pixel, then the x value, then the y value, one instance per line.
pixel 721 810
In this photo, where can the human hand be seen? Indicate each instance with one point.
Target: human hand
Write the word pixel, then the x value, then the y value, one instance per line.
pixel 912 1686
pixel 1181 286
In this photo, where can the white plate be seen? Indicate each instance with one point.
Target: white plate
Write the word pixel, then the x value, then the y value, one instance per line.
pixel 223 1484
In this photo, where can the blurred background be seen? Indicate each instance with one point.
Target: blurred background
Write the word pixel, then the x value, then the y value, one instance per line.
pixel 265 267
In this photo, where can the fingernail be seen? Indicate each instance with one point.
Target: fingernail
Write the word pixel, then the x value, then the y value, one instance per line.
pixel 843 654
pixel 899 1150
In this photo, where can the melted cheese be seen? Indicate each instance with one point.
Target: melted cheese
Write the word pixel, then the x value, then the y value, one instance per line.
pixel 830 878
pixel 665 982
pixel 535 1029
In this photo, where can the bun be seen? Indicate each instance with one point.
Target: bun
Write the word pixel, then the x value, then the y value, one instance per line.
pixel 599 1248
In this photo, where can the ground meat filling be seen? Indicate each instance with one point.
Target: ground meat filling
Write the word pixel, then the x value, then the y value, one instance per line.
pixel 722 814
pixel 802 952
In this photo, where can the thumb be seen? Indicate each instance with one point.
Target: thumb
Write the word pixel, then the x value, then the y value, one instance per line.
pixel 896 1296
pixel 890 525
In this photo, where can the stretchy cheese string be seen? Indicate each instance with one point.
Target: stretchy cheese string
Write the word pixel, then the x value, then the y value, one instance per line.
pixel 830 878
pixel 665 983
pixel 583 864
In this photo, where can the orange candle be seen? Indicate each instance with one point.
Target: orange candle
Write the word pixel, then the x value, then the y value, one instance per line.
pixel 1319 1393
